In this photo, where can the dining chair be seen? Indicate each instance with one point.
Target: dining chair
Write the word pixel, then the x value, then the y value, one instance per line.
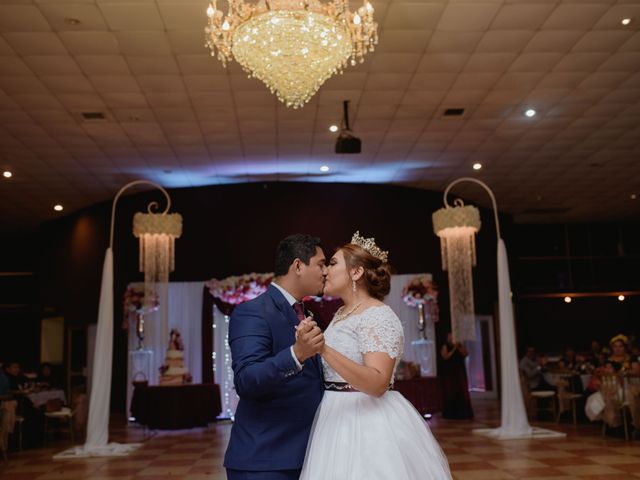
pixel 615 411
pixel 533 398
pixel 566 397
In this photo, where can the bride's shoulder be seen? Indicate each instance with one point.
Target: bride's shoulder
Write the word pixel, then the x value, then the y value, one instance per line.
pixel 379 313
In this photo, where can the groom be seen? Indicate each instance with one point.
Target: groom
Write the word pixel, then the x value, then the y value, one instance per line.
pixel 277 374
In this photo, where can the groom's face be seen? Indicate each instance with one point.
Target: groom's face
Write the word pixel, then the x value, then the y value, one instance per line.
pixel 312 276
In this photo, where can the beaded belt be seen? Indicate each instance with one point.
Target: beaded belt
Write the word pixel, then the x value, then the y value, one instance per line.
pixel 343 387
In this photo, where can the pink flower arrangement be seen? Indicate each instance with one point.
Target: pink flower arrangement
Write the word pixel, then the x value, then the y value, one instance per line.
pixel 420 290
pixel 134 302
pixel 235 290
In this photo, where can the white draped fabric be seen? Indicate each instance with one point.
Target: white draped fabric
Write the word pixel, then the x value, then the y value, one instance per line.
pixel 184 313
pixel 515 423
pixel 98 422
pixel 97 441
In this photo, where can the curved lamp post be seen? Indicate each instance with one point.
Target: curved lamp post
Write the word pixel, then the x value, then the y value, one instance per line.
pixel 457 226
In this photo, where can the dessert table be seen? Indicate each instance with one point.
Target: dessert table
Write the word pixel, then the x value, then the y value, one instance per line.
pixel 176 407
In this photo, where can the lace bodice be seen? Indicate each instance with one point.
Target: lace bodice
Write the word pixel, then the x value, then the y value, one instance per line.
pixel 376 329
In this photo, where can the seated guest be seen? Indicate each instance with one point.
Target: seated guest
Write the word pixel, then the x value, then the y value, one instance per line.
pixel 46 377
pixel 598 355
pixel 583 366
pixel 533 370
pixel 619 358
pixel 15 376
pixel 568 360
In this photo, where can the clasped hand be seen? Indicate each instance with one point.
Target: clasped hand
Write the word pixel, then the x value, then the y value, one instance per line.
pixel 309 340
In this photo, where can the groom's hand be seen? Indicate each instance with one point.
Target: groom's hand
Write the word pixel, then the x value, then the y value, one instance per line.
pixel 309 340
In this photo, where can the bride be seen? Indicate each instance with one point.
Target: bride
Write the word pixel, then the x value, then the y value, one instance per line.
pixel 364 429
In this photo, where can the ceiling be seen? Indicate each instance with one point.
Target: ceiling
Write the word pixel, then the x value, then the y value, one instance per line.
pixel 174 115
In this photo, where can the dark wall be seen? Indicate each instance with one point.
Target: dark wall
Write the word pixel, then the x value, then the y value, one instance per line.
pixel 235 229
pixel 576 258
pixel 550 324
pixel 20 313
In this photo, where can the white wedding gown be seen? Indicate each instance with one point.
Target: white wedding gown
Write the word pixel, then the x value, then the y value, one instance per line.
pixel 359 437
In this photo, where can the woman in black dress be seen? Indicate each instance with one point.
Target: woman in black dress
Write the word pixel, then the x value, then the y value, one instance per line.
pixel 455 390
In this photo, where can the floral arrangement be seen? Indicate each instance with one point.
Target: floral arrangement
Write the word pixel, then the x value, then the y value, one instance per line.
pixel 420 290
pixel 134 302
pixel 239 289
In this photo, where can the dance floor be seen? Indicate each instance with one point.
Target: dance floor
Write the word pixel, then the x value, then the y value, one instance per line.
pixel 197 455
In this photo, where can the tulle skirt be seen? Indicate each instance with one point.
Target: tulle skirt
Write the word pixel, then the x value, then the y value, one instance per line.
pixel 359 437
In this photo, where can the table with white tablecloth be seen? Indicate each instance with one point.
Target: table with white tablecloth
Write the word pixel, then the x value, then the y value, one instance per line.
pixel 552 378
pixel 42 397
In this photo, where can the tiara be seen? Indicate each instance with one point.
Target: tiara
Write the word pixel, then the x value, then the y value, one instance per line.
pixel 369 245
pixel 622 338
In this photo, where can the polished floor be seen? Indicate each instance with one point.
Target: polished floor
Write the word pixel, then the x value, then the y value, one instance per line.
pixel 197 454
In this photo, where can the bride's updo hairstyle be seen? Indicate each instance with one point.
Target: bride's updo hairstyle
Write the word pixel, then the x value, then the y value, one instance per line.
pixel 377 274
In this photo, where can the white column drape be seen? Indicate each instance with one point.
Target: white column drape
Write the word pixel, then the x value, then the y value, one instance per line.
pixel 514 421
pixel 97 441
pixel 98 421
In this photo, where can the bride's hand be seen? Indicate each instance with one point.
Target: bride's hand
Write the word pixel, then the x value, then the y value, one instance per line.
pixel 304 326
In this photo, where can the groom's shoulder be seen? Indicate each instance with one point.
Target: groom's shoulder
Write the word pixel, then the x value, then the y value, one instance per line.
pixel 254 305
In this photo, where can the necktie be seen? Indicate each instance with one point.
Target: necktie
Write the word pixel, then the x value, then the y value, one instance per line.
pixel 299 309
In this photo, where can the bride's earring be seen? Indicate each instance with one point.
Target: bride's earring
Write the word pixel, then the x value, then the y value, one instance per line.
pixel 353 285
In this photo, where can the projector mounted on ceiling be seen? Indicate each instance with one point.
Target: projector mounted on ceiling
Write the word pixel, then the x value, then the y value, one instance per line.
pixel 346 142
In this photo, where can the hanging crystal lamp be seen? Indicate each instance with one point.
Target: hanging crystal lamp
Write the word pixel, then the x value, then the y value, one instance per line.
pixel 157 233
pixel 457 227
pixel 292 46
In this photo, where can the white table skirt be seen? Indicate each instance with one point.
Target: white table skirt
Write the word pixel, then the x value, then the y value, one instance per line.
pixel 40 398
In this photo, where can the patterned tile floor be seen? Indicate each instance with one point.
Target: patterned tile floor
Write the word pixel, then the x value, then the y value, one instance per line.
pixel 197 454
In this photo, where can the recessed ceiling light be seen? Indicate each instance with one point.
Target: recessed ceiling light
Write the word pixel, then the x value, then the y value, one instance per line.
pixel 324 168
pixel 333 128
pixel 58 208
pixel 7 174
pixel 621 298
pixel 477 166
pixel 625 21
pixel 530 112
pixel 633 196
pixel 567 299
pixel 72 21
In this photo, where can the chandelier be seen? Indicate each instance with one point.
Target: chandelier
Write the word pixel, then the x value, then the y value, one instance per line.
pixel 292 46
pixel 157 233
pixel 457 227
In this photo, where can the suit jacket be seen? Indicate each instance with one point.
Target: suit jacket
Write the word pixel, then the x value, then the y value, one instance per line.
pixel 277 403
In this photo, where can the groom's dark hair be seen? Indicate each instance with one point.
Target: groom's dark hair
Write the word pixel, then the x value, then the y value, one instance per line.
pixel 300 246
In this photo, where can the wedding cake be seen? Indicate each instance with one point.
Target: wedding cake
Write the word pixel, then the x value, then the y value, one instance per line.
pixel 173 371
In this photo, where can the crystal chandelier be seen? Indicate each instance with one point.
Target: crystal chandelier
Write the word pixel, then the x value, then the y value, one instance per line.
pixel 157 233
pixel 292 46
pixel 457 227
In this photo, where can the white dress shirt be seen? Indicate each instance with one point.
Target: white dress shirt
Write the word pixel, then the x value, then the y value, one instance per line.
pixel 291 299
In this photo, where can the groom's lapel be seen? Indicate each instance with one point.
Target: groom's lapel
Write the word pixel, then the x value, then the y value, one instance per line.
pixel 289 314
pixel 281 303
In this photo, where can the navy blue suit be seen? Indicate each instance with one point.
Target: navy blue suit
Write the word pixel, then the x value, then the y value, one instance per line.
pixel 277 403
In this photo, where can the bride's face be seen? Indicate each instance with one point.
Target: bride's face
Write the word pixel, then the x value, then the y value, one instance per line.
pixel 338 279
